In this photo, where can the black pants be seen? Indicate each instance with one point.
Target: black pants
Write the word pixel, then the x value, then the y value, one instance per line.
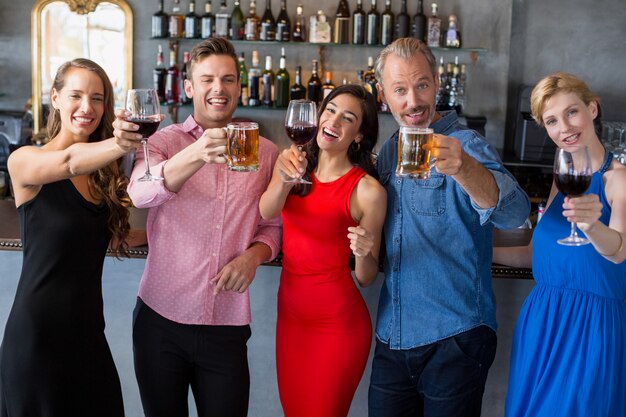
pixel 170 357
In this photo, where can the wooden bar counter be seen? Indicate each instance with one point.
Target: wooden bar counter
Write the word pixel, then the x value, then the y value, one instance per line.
pixel 10 239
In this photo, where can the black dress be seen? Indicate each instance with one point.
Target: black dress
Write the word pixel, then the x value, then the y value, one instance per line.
pixel 54 359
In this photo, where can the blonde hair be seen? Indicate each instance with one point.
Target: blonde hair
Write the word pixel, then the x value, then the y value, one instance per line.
pixel 405 48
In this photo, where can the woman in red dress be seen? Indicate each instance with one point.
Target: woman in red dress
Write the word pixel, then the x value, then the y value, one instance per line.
pixel 324 330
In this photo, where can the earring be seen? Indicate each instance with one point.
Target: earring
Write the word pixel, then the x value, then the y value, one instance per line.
pixel 357 147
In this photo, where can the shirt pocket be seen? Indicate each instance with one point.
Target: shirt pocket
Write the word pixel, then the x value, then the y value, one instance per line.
pixel 428 197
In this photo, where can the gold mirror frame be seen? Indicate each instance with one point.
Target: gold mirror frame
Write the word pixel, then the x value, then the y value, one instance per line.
pixel 79 7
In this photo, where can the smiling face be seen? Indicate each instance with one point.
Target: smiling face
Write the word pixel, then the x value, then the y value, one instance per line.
pixel 339 124
pixel 409 89
pixel 569 121
pixel 80 103
pixel 215 89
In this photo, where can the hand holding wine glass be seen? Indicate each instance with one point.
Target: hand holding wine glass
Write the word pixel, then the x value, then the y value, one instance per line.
pixel 572 176
pixel 145 111
pixel 301 126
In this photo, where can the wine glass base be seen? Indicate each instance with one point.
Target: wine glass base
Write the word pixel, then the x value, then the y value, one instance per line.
pixel 298 181
pixel 573 241
pixel 150 178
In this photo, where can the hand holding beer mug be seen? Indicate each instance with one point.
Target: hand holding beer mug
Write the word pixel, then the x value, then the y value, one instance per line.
pixel 243 146
pixel 414 152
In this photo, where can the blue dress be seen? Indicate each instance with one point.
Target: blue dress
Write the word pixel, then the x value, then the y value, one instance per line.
pixel 569 348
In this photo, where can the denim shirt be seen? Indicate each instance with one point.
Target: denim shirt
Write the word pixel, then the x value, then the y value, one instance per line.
pixel 439 246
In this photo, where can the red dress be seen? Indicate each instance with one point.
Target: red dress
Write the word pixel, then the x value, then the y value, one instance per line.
pixel 324 330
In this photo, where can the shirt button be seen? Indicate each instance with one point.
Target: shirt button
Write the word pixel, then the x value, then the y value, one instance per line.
pixel 398 181
pixel 215 254
pixel 218 226
pixel 221 197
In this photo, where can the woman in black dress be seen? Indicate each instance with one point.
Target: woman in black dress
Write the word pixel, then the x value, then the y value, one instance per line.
pixel 71 199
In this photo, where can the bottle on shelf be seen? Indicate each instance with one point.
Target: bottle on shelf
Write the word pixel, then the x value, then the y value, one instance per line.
pixel 237 24
pixel 282 82
pixel 172 93
pixel 418 26
pixel 283 23
pixel 267 81
pixel 320 30
pixel 177 21
pixel 222 21
pixel 207 22
pixel 342 23
pixel 181 81
pixel 328 85
pixel 403 23
pixel 453 38
pixel 268 24
pixel 254 81
pixel 359 78
pixel 369 81
pixel 460 98
pixel 373 26
pixel 160 23
pixel 453 91
pixel 298 92
pixel 299 26
pixel 386 25
pixel 314 86
pixel 252 23
pixel 158 75
pixel 243 77
pixel 433 34
pixel 441 97
pixel 358 24
pixel 192 26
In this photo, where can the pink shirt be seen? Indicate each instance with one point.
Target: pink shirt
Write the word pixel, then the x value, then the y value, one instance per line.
pixel 192 234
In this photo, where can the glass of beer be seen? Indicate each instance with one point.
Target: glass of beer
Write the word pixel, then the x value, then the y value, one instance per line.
pixel 414 147
pixel 243 146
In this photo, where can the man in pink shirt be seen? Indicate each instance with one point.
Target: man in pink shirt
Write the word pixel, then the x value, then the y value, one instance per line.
pixel 206 239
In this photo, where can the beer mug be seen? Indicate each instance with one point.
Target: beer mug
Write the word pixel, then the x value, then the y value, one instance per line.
pixel 414 147
pixel 243 146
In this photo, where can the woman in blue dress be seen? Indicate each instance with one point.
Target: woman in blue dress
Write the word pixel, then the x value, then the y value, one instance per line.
pixel 569 348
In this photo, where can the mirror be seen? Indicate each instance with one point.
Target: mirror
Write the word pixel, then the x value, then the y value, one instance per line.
pixel 66 29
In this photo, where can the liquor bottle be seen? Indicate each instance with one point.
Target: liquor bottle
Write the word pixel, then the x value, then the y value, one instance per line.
pixel 192 27
pixel 158 76
pixel 433 36
pixel 222 21
pixel 460 98
pixel 177 21
pixel 283 23
pixel 243 77
pixel 207 22
pixel 254 81
pixel 282 82
pixel 267 80
pixel 181 81
pixel 268 24
pixel 369 81
pixel 342 23
pixel 453 39
pixel 359 78
pixel 314 86
pixel 453 92
pixel 373 26
pixel 252 23
pixel 237 24
pixel 418 27
pixel 298 92
pixel 386 25
pixel 299 27
pixel 172 94
pixel 358 24
pixel 440 97
pixel 403 23
pixel 320 30
pixel 160 23
pixel 328 85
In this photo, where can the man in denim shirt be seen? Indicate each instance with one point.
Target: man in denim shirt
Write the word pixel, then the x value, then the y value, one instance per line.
pixel 436 318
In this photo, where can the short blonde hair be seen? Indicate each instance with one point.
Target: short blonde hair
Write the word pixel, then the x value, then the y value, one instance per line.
pixel 405 48
pixel 559 82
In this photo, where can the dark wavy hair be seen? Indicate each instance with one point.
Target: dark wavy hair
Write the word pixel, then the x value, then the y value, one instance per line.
pixel 361 155
pixel 108 182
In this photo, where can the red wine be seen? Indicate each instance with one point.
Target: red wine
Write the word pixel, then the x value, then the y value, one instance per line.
pixel 147 127
pixel 572 185
pixel 301 133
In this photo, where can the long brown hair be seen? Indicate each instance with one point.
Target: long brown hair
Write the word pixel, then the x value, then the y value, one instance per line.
pixel 107 182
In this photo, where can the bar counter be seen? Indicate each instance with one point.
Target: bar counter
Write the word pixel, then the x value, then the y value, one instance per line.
pixel 10 239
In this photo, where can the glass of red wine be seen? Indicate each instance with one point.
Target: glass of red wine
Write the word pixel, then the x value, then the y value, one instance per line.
pixel 145 111
pixel 301 126
pixel 572 176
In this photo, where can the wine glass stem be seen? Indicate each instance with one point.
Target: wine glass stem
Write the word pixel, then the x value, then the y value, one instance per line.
pixel 573 233
pixel 144 142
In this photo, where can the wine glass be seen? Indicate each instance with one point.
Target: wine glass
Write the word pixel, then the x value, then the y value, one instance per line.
pixel 145 111
pixel 572 176
pixel 301 126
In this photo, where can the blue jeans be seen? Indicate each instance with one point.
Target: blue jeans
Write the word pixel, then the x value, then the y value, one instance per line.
pixel 443 379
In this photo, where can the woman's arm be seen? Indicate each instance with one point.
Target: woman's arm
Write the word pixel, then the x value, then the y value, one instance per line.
pixel 291 163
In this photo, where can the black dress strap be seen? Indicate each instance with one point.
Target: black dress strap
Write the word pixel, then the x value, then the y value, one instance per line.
pixel 607 162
